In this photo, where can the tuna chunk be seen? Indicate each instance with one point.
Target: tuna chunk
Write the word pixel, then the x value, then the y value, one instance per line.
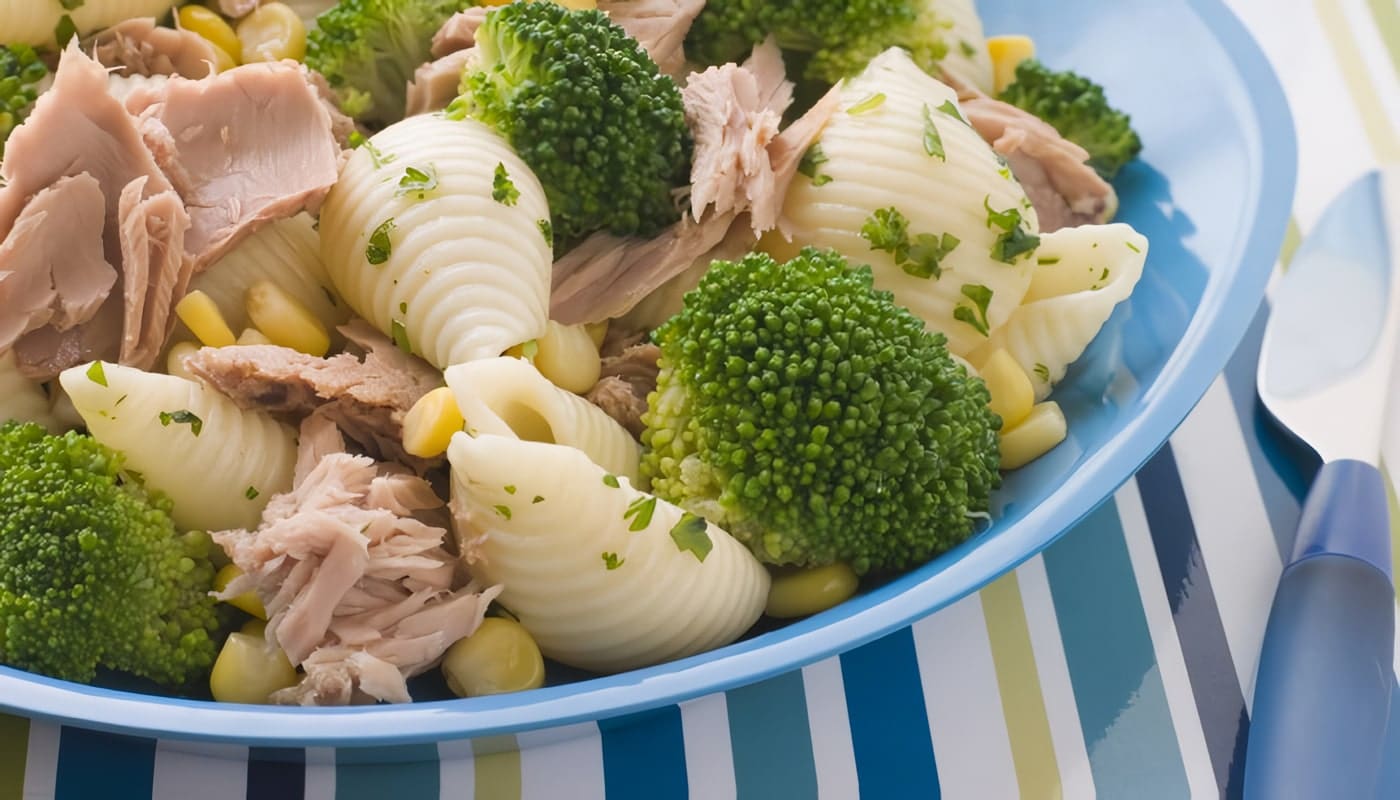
pixel 243 148
pixel 1064 189
pixel 140 47
pixel 360 590
pixel 660 26
pixel 52 269
pixel 459 32
pixel 607 276
pixel 625 382
pixel 436 83
pixel 367 399
pixel 734 113
pixel 156 273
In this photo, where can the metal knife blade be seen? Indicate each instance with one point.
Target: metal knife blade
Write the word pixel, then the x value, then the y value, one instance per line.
pixel 1322 694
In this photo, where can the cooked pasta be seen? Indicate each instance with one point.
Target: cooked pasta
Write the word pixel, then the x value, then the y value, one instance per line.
pixel 509 397
pixel 967 57
pixel 21 398
pixel 1081 275
pixel 899 142
pixel 218 463
pixel 437 233
pixel 34 21
pixel 604 576
pixel 286 252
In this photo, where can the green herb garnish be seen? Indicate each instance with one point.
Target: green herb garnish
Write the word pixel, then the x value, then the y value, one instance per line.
pixel 502 190
pixel 692 535
pixel 182 417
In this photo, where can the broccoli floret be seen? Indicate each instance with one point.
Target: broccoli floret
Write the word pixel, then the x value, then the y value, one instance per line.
pixel 816 420
pixel 586 108
pixel 92 571
pixel 369 49
pixel 829 39
pixel 1076 106
pixel 21 72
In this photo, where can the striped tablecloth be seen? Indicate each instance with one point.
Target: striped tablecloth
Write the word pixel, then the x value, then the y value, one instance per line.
pixel 1119 664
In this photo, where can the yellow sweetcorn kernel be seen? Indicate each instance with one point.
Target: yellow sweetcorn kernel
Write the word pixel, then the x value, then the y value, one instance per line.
pixel 175 360
pixel 271 33
pixel 598 332
pixel 213 28
pixel 501 656
pixel 248 670
pixel 1006 53
pixel 202 317
pixel 429 425
pixel 802 592
pixel 248 601
pixel 1010 387
pixel 568 358
pixel 285 320
pixel 1034 437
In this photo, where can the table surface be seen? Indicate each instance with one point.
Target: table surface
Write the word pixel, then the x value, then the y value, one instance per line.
pixel 1120 663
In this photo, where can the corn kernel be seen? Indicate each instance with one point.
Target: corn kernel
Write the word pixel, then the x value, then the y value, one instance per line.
pixel 802 592
pixel 248 670
pixel 285 320
pixel 254 627
pixel 211 27
pixel 248 601
pixel 253 336
pixel 1010 387
pixel 568 357
pixel 202 317
pixel 1006 53
pixel 578 5
pixel 429 425
pixel 175 360
pixel 1034 437
pixel 598 332
pixel 501 656
pixel 271 33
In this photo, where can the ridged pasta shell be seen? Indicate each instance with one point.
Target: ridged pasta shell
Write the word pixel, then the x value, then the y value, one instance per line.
pixel 1082 275
pixel 509 397
pixel 876 159
pixel 21 398
pixel 967 57
pixel 545 523
pixel 466 276
pixel 219 476
pixel 33 21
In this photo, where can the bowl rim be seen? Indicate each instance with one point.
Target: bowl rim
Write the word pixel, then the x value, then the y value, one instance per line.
pixel 1213 334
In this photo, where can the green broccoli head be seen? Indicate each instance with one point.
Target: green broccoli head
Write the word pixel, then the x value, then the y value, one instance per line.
pixel 1078 109
pixel 586 108
pixel 817 421
pixel 92 571
pixel 369 49
pixel 21 72
pixel 832 39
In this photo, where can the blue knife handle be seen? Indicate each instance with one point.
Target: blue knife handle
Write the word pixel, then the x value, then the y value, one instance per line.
pixel 1322 697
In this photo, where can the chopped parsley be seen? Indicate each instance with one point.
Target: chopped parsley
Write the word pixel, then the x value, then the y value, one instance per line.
pixel 1014 240
pixel 640 512
pixel 380 247
pixel 403 308
pixel 96 374
pixel 503 511
pixel 251 493
pixel 376 158
pixel 981 296
pixel 71 5
pixel 933 142
pixel 64 31
pixel 692 535
pixel 546 230
pixel 417 181
pixel 952 111
pixel 399 334
pixel 966 47
pixel 887 230
pixel 1042 372
pixel 611 561
pixel 867 104
pixel 182 417
pixel 502 190
pixel 1133 247
pixel 538 499
pixel 611 481
pixel 510 489
pixel 1048 260
pixel 811 163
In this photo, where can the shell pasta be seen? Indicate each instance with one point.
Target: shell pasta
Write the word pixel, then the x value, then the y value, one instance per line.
pixel 436 234
pixel 33 21
pixel 219 463
pixel 599 572
pixel 22 399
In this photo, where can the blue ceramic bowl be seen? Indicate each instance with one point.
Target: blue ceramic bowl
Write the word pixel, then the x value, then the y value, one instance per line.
pixel 1212 192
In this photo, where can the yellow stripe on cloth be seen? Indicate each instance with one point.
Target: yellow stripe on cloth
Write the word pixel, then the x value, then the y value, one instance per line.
pixel 1023 705
pixel 1372 112
pixel 497 768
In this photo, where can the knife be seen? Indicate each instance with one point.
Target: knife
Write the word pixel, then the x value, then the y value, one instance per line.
pixel 1322 696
